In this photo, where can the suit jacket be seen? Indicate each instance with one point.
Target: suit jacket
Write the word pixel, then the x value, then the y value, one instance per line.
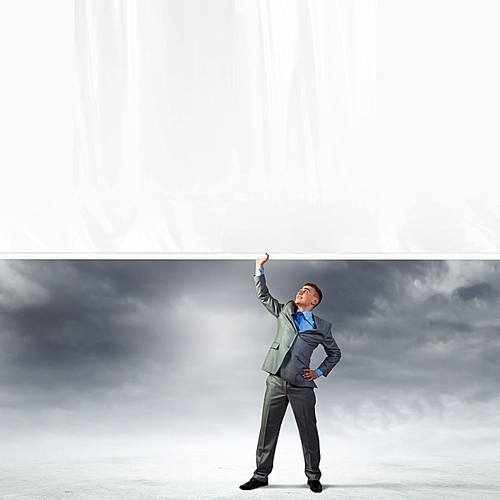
pixel 291 351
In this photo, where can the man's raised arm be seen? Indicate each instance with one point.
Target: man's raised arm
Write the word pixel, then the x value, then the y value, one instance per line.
pixel 269 302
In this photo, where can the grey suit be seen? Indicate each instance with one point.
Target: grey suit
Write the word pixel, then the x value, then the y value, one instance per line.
pixel 288 355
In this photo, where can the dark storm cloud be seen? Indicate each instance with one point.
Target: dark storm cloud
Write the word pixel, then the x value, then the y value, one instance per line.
pixel 83 318
pixel 481 291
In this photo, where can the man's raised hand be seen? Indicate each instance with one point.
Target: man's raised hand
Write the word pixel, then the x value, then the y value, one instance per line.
pixel 260 262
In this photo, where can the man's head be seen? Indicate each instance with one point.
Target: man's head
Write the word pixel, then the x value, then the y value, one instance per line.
pixel 308 297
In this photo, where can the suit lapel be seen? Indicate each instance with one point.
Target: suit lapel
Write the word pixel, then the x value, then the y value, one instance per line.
pixel 320 325
pixel 289 312
pixel 316 322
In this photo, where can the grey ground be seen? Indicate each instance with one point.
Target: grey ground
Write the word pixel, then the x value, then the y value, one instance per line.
pixel 216 472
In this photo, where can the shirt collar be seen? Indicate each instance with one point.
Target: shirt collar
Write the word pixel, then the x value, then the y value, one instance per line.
pixel 308 315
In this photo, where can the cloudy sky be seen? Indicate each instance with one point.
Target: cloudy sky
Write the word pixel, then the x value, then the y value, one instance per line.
pixel 93 349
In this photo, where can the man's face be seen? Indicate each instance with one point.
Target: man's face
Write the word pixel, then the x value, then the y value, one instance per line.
pixel 306 297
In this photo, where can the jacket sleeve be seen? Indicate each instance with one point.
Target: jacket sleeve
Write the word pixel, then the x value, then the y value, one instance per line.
pixel 333 354
pixel 269 302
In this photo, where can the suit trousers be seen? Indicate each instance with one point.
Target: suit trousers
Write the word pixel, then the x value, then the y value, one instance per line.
pixel 302 400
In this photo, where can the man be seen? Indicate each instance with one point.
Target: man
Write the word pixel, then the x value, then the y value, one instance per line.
pixel 290 378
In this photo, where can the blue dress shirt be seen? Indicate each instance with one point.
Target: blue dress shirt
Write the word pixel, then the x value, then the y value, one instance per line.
pixel 304 321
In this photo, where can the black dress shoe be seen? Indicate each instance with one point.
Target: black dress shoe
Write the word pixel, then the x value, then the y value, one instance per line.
pixel 253 483
pixel 315 485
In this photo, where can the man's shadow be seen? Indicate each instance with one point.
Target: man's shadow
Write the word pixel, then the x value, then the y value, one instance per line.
pixel 294 486
pixel 337 486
